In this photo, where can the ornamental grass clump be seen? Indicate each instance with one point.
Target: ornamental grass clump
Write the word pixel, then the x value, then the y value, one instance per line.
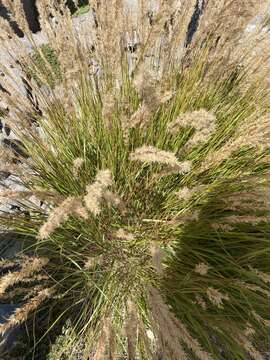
pixel 145 168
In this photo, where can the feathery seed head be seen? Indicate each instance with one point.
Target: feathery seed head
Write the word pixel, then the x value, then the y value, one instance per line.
pixel 202 269
pixel 216 297
pixel 133 82
pixel 96 191
pixel 57 216
pixel 150 154
pixel 77 164
pixel 124 235
pixel 157 256
pixel 104 178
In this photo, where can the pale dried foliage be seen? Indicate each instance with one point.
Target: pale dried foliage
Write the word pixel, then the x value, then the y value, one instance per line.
pixel 77 164
pixel 185 193
pixel 77 206
pixel 91 262
pixel 216 297
pixel 140 117
pixel 131 329
pixel 200 301
pixel 157 257
pixel 165 33
pixel 122 234
pixel 171 331
pixel 29 266
pixel 253 133
pixel 96 191
pixel 260 319
pixel 93 198
pixel 202 269
pixel 225 21
pixel 249 347
pixel 112 198
pixel 251 219
pixel 222 227
pixel 249 331
pixel 254 288
pixel 96 56
pixel 21 314
pixel 204 122
pixel 59 215
pixel 150 154
pixel 263 276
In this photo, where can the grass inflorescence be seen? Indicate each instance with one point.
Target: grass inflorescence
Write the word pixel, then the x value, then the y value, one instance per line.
pixel 150 160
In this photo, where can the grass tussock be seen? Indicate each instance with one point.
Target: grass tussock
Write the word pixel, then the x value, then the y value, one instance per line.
pixel 145 159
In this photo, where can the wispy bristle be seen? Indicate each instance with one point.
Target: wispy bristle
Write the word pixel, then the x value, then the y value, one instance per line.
pixel 57 216
pixel 111 198
pixel 93 198
pixel 22 313
pixel 254 288
pixel 104 178
pixel 249 331
pixel 252 219
pixel 140 117
pixel 77 164
pixel 131 328
pixel 29 266
pixel 157 257
pixel 150 154
pixel 172 330
pixel 216 297
pixel 262 275
pixel 250 349
pixel 93 261
pixel 202 269
pixel 201 302
pixel 253 133
pixel 124 235
pixel 260 319
pixel 96 191
pixel 203 121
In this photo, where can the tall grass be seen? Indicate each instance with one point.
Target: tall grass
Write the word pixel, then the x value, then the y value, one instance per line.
pixel 151 161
